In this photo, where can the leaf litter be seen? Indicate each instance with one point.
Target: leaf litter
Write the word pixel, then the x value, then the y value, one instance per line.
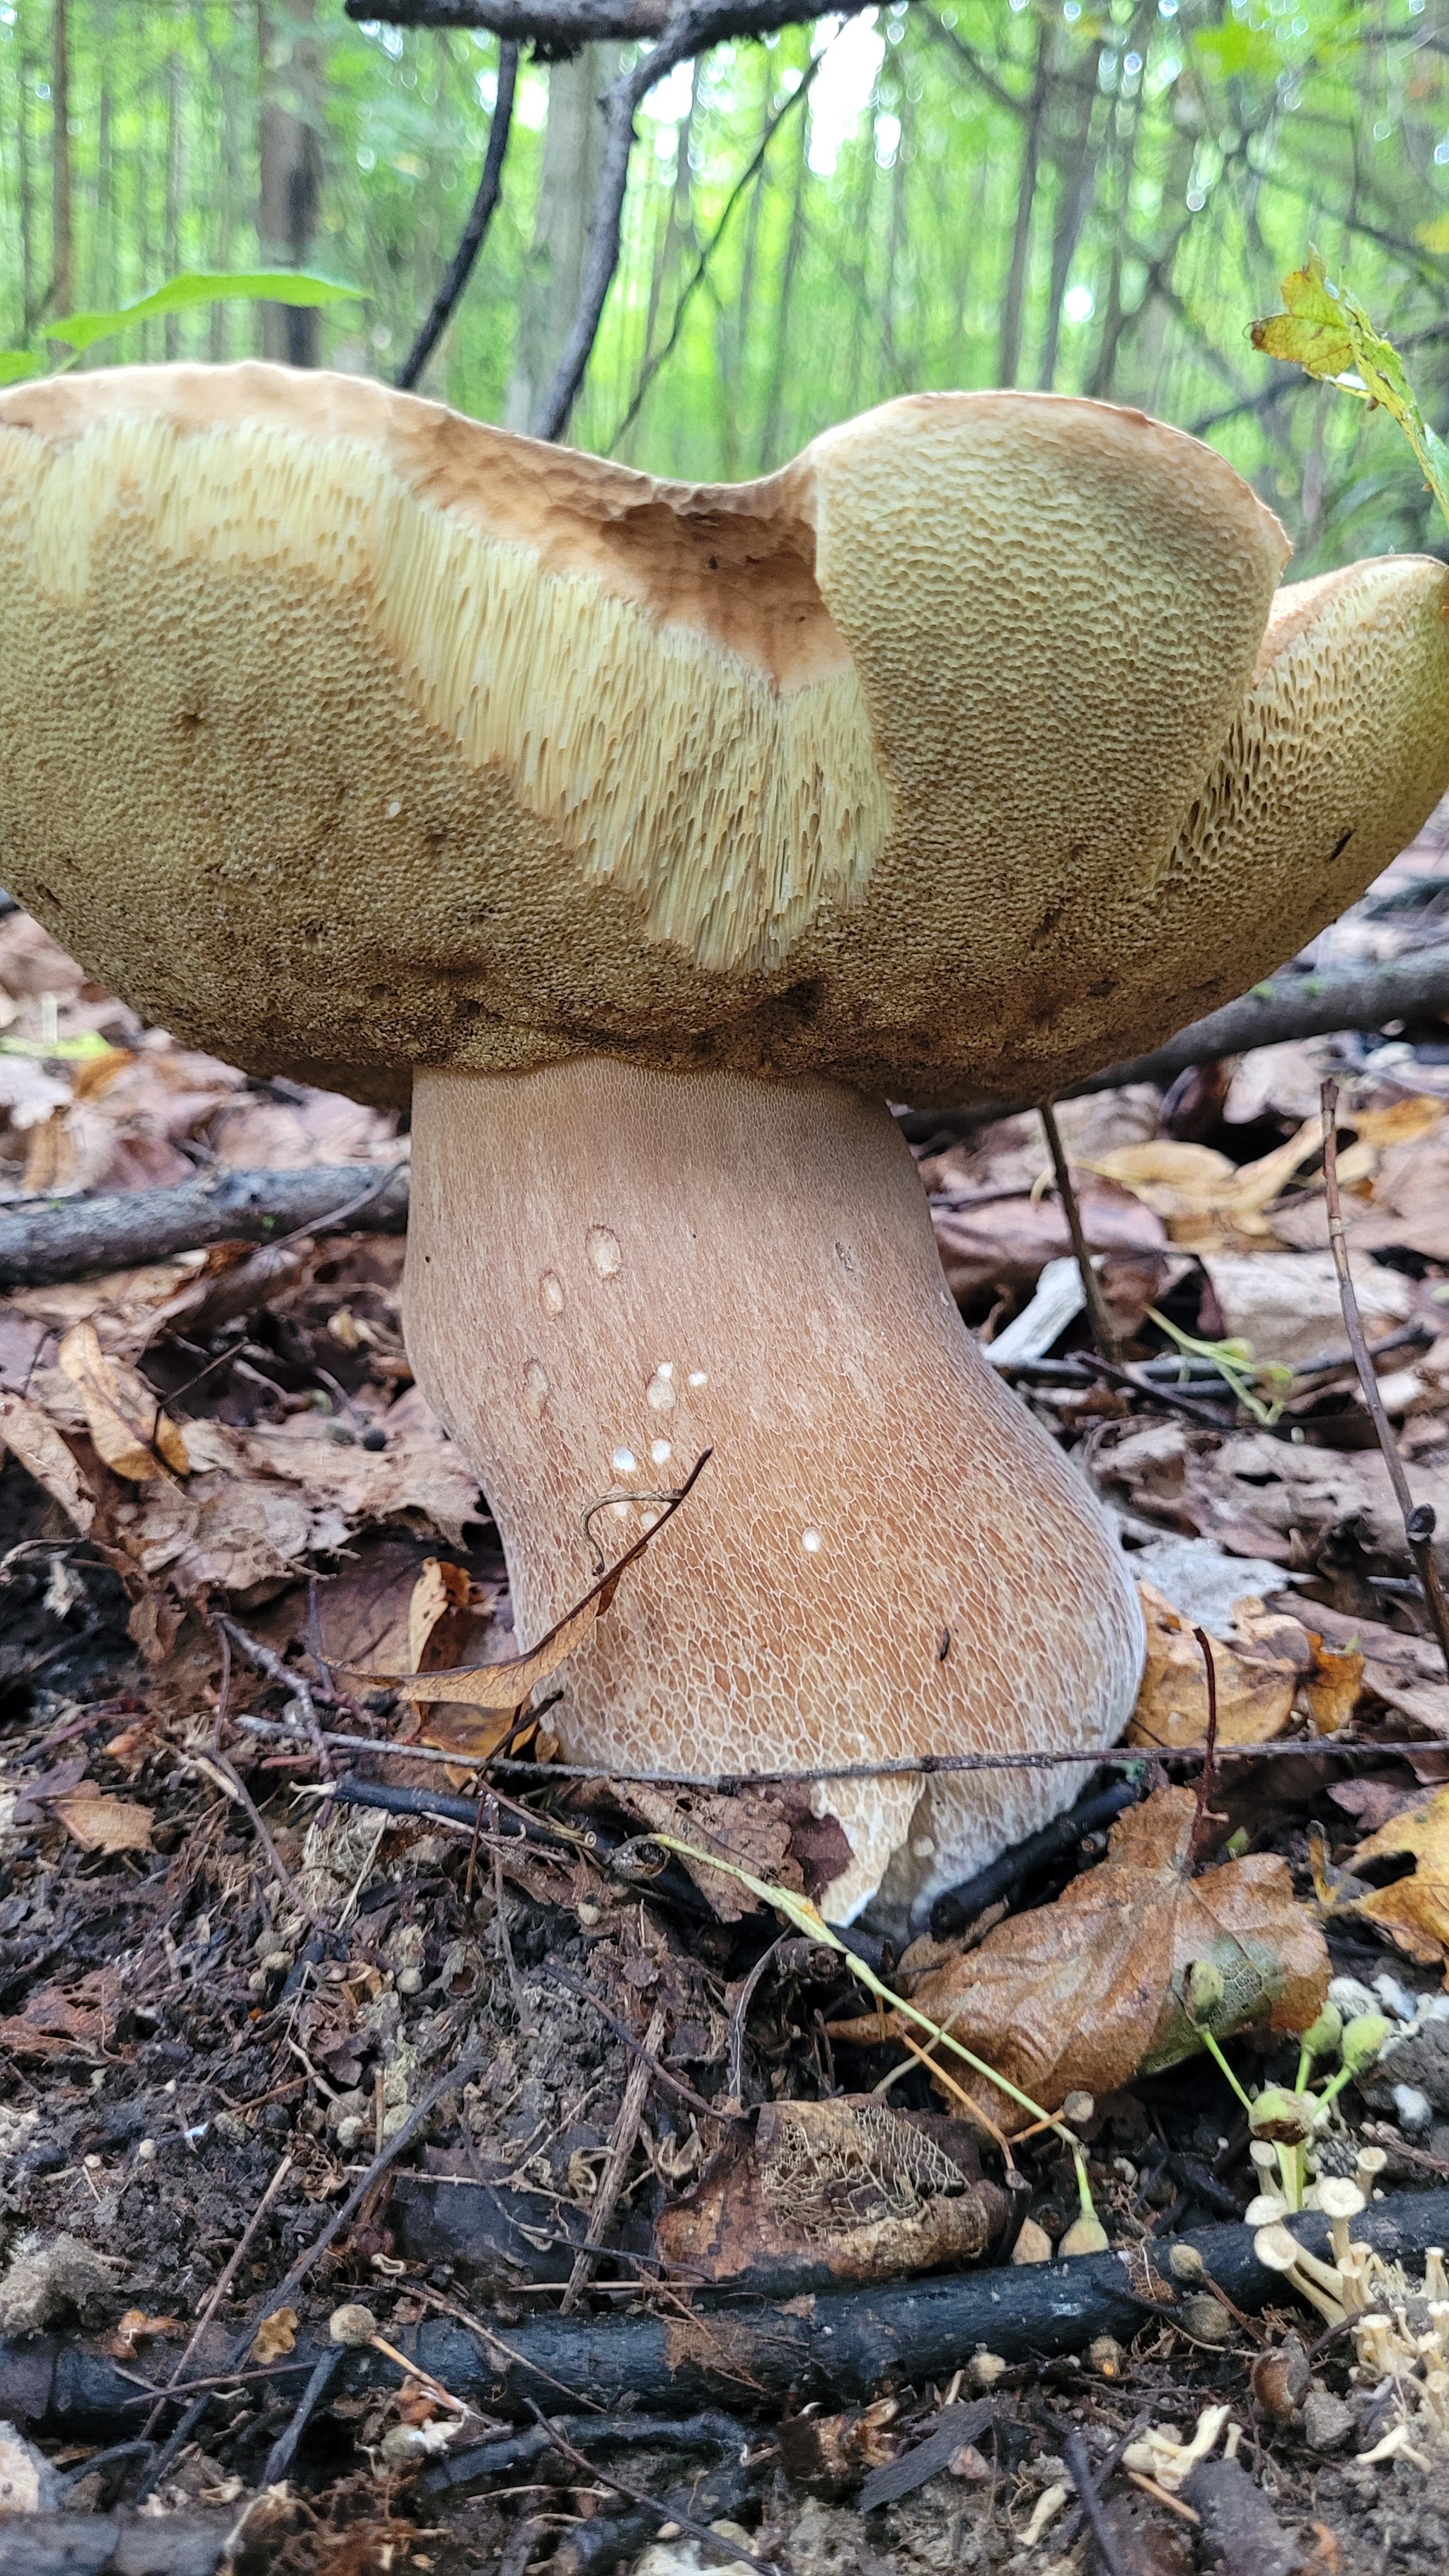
pixel 194 2000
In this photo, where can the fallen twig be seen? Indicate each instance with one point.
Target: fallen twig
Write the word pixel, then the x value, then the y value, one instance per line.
pixel 283 2451
pixel 1079 2470
pixel 1418 1517
pixel 220 2287
pixel 696 2531
pixel 287 1678
pixel 1099 1321
pixel 54 1239
pixel 1209 1749
pixel 616 2165
pixel 727 1783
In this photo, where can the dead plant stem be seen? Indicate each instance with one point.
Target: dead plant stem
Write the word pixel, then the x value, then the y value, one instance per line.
pixel 1098 1320
pixel 616 2163
pixel 1418 1518
pixel 222 2284
pixel 699 2532
pixel 1210 1746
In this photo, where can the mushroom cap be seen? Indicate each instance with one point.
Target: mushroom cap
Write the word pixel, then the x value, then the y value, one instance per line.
pixel 1340 2198
pixel 969 750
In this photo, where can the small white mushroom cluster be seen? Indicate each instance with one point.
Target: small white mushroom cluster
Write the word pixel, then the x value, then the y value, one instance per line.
pixel 1400 2327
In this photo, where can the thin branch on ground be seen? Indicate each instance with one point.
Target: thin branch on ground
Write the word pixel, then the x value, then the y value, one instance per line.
pixel 480 216
pixel 904 1766
pixel 1079 2470
pixel 1418 1517
pixel 284 2449
pixel 735 2058
pixel 44 1241
pixel 699 2532
pixel 660 2074
pixel 616 2164
pixel 287 1678
pixel 220 2286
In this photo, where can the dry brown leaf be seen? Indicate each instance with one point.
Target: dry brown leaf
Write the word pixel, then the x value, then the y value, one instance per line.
pixel 132 1434
pixel 509 1685
pixel 101 1823
pixel 752 1829
pixel 1255 1691
pixel 1082 1995
pixel 275 2336
pixel 30 1437
pixel 1414 1911
pixel 1333 1686
pixel 444 1609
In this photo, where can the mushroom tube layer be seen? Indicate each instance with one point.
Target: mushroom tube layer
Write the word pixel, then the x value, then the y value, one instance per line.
pixel 963 754
pixel 611 1270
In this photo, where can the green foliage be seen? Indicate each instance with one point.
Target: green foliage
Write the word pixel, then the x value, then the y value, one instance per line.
pixel 1326 331
pixel 81 331
pixel 1184 152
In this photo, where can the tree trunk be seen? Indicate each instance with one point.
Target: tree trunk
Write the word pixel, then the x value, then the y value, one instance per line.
pixel 290 154
pixel 61 298
pixel 175 180
pixel 1014 300
pixel 573 148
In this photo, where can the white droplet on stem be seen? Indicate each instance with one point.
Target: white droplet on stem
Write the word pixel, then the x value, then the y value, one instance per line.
pixel 624 1462
pixel 811 1541
pixel 604 1253
pixel 550 1293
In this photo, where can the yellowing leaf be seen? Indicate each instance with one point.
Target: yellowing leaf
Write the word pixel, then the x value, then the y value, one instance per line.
pixel 1402 1123
pixel 125 1419
pixel 1195 1189
pixel 275 2336
pixel 27 1433
pixel 1414 1911
pixel 103 1824
pixel 1326 331
pixel 1434 236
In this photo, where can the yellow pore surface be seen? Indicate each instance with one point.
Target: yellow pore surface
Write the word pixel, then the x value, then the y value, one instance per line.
pixel 342 734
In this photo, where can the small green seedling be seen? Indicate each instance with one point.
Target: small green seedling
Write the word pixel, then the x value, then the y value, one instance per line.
pixel 1234 1360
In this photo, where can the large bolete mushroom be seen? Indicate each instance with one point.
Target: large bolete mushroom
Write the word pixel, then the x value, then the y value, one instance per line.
pixel 653 835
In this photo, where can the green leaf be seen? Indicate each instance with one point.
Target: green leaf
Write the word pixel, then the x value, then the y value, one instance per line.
pixel 181 294
pixel 1326 331
pixel 16 365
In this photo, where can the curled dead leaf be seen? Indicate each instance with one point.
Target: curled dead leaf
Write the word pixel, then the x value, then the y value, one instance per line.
pixel 132 1432
pixel 1255 1689
pixel 103 1824
pixel 35 1441
pixel 1083 1994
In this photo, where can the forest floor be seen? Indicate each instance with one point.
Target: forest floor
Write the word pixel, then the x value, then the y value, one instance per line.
pixel 237 2007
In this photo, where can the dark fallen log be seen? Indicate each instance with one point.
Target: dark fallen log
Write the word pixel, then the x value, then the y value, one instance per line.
pixel 114 2544
pixel 748 2355
pixel 53 1239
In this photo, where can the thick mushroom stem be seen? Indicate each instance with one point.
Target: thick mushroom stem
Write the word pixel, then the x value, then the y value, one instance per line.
pixel 611 1269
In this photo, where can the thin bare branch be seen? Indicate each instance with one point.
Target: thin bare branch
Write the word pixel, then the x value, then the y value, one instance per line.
pixel 480 216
